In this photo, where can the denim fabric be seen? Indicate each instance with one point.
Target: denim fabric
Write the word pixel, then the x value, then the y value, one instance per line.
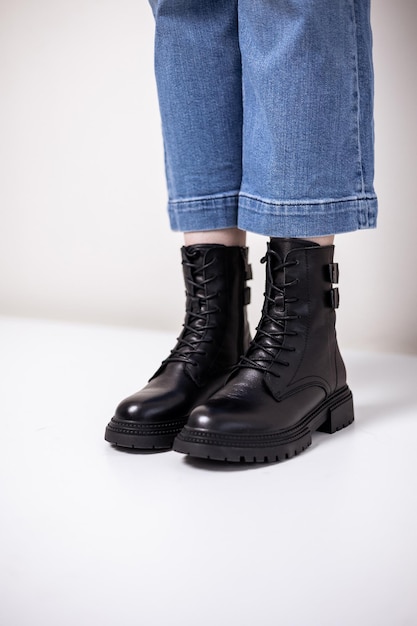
pixel 267 114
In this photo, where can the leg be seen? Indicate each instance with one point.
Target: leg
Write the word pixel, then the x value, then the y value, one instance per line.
pixel 308 128
pixel 307 172
pixel 224 236
pixel 199 79
pixel 198 72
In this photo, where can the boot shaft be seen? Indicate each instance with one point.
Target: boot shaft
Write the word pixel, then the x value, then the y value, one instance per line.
pixel 296 341
pixel 216 297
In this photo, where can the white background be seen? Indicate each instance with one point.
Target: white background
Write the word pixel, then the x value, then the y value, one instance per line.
pixel 84 235
pixel 90 534
pixel 93 535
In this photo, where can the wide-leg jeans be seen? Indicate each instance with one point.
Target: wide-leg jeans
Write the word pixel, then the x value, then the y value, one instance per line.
pixel 267 114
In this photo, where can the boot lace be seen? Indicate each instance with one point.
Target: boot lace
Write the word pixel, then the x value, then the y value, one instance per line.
pixel 197 317
pixel 268 343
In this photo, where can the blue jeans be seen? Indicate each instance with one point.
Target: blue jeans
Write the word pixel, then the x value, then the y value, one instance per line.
pixel 267 114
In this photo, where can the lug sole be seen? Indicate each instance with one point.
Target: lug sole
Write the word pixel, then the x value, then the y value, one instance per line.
pixel 150 437
pixel 329 417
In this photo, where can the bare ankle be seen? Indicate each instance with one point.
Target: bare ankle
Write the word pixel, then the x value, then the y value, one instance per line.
pixel 225 236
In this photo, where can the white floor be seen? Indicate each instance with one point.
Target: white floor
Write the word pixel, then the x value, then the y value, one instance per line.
pixel 90 534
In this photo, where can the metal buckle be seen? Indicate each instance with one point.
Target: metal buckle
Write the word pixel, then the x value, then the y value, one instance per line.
pixel 334 298
pixel 334 272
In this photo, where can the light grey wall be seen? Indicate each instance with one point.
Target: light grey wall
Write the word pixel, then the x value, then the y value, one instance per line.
pixel 83 230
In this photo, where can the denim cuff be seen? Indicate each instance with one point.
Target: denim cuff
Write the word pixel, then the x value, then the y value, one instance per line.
pixel 204 213
pixel 315 218
pixel 309 218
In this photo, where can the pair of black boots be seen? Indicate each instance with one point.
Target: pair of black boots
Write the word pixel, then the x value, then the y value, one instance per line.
pixel 220 395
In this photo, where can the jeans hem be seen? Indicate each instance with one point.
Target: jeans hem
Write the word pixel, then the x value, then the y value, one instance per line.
pixel 204 213
pixel 310 218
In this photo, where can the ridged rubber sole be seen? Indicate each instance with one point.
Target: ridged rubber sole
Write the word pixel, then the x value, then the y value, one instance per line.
pixel 329 417
pixel 143 436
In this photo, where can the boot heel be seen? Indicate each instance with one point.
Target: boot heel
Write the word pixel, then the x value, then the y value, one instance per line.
pixel 338 417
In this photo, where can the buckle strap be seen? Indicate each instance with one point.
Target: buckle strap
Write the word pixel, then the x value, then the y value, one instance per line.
pixel 334 298
pixel 333 272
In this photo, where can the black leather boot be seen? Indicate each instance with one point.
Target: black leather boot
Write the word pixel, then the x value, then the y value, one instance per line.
pixel 292 380
pixel 215 335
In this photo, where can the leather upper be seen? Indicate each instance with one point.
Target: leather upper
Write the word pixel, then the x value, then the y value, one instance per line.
pixel 215 334
pixel 293 362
